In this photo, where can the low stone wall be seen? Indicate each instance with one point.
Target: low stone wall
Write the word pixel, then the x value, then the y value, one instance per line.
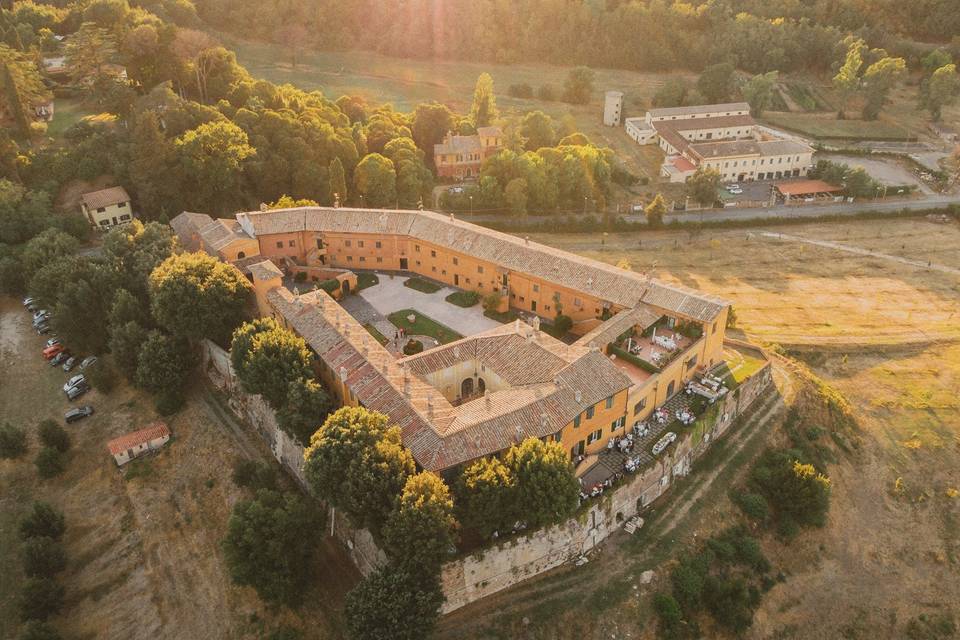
pixel 256 412
pixel 482 574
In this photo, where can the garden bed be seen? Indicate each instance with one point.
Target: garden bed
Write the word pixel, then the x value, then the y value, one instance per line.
pixel 465 299
pixel 423 326
pixel 422 285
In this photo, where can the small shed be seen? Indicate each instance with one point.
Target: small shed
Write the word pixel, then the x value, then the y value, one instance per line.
pixel 138 443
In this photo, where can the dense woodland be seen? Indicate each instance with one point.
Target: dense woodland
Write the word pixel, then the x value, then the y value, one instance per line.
pixel 649 35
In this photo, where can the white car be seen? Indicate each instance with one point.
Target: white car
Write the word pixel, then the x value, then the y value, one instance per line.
pixel 74 381
pixel 89 360
pixel 664 442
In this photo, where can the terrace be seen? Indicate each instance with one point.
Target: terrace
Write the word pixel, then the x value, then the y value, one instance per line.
pixel 641 356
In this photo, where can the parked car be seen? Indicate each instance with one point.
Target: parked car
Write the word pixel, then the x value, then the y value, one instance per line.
pixel 43 313
pixel 78 413
pixel 52 341
pixel 41 320
pixel 74 381
pixel 29 302
pixel 51 352
pixel 42 329
pixel 77 391
pixel 59 359
pixel 88 361
pixel 69 363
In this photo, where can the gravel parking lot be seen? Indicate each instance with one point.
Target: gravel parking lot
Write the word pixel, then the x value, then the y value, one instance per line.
pixel 886 170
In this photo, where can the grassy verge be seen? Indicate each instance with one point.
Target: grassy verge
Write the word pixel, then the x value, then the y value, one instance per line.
pixel 420 284
pixel 827 127
pixel 423 326
pixel 376 334
pixel 366 279
pixel 465 299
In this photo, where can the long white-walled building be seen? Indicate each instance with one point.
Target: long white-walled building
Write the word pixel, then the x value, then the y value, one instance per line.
pixel 724 137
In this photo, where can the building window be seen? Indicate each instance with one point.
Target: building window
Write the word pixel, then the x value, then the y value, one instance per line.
pixel 433 254
pixel 347 243
pixel 349 258
pixel 609 402
pixel 637 408
pixel 319 243
pixel 536 288
pixel 101 209
pixel 416 248
pixel 593 437
pixel 456 261
pixel 121 205
pixel 125 216
pixel 379 259
pixel 468 280
pixel 418 263
pixel 521 298
pixel 691 363
pixel 577 302
pixel 360 243
pixel 292 243
pixel 546 307
pixel 714 327
pixel 434 269
pixel 379 244
pixel 362 259
pixel 280 245
pixel 618 423
pixel 479 269
pixel 589 412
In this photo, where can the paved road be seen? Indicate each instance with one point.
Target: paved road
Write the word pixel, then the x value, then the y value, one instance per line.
pixel 809 211
pixel 779 211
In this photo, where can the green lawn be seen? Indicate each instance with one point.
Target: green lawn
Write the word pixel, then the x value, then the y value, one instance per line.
pixel 423 326
pixel 366 279
pixel 465 299
pixel 826 126
pixel 420 284
pixel 66 113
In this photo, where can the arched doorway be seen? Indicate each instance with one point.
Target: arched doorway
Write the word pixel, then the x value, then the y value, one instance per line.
pixel 481 386
pixel 241 255
pixel 345 287
pixel 466 388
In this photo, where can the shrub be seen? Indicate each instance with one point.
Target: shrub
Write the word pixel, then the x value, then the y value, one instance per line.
pixel 251 474
pixel 562 324
pixel 753 505
pixel 419 284
pixel 300 276
pixel 412 347
pixel 169 402
pixel 36 630
pixel 13 442
pixel 49 462
pixel 43 557
pixel 521 90
pixel 102 377
pixel 330 286
pixel 391 603
pixel 42 521
pixel 668 613
pixel 547 92
pixel 463 299
pixel 54 436
pixel 491 301
pixel 40 599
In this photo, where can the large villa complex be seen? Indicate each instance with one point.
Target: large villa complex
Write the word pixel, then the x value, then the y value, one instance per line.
pixel 724 137
pixel 636 342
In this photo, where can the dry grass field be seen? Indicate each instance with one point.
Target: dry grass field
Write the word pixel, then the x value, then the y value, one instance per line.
pixel 888 337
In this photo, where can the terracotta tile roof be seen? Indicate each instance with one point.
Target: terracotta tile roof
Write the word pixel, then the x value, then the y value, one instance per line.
pixel 136 438
pixel 711 122
pixel 199 231
pixel 539 402
pixel 641 316
pixel 457 144
pixel 803 187
pixel 264 270
pixel 577 273
pixel 105 197
pixel 489 132
pixel 783 148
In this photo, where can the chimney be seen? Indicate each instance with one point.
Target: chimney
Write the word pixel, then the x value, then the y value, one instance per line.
pixel 526 239
pixel 578 396
pixel 343 374
pixel 487 403
pixel 519 433
pixel 451 217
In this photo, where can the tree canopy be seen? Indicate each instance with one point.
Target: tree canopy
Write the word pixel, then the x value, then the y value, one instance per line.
pixel 420 532
pixel 546 489
pixel 267 358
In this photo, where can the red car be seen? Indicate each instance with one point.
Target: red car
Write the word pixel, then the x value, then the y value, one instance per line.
pixel 51 352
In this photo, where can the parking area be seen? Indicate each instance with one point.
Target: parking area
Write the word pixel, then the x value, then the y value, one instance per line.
pixel 888 171
pixel 752 192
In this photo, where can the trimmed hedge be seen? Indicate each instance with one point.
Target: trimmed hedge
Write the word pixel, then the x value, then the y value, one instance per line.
pixel 632 359
pixel 463 299
pixel 412 347
pixel 419 284
pixel 330 286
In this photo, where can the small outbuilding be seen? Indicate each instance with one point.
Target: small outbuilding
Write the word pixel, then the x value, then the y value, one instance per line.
pixel 106 208
pixel 138 443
